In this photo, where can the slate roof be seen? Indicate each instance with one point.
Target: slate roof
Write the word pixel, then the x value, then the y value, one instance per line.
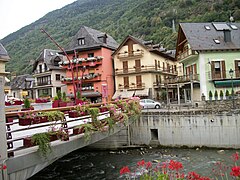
pixel 3 53
pixel 92 40
pixel 201 38
pixel 170 54
pixel 48 56
pixel 20 82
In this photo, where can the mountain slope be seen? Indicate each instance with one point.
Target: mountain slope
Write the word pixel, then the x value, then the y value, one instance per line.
pixel 146 19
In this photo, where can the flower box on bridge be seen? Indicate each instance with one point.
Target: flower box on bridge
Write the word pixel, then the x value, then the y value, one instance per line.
pixel 30 121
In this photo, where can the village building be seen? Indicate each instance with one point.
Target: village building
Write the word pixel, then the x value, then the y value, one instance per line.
pixel 141 69
pixel 89 68
pixel 48 74
pixel 210 54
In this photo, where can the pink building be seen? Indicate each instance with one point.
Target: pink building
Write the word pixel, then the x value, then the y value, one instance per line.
pixel 90 69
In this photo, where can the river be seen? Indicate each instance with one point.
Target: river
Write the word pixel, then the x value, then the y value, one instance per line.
pixel 87 164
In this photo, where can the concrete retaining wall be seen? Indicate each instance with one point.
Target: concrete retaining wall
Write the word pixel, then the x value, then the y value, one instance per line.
pixel 219 130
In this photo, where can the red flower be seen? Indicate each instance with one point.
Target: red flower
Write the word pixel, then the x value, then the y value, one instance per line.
pixel 235 156
pixel 141 163
pixel 175 165
pixel 124 170
pixel 235 171
pixel 148 165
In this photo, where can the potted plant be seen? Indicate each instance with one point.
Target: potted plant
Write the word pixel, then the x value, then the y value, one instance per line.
pixel 227 94
pixel 54 115
pixel 86 128
pixel 26 118
pixel 210 95
pixel 221 94
pixel 40 139
pixel 27 105
pixel 216 95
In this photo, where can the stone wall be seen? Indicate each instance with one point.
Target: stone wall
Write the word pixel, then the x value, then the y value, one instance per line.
pixel 210 130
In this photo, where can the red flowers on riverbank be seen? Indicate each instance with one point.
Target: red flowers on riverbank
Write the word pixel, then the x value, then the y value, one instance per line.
pixel 172 170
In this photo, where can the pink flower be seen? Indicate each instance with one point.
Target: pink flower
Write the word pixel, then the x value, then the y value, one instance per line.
pixel 148 165
pixel 235 156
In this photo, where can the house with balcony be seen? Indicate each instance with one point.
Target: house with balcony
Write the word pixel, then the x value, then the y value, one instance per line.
pixel 48 74
pixel 208 51
pixel 89 65
pixel 22 86
pixel 141 68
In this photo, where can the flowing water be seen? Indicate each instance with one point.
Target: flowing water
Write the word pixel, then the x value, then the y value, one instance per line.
pixel 105 165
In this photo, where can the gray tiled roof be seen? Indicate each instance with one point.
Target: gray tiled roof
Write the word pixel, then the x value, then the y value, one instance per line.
pixel 20 82
pixel 3 53
pixel 92 39
pixel 200 38
pixel 48 56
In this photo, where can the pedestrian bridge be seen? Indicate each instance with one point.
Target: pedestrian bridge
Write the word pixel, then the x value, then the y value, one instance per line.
pixel 23 162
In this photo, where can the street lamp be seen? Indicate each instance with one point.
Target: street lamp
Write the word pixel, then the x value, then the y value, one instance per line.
pixel 231 74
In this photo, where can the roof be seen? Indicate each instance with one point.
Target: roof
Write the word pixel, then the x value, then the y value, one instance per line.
pixel 3 53
pixel 93 38
pixel 20 82
pixel 201 36
pixel 48 56
pixel 148 45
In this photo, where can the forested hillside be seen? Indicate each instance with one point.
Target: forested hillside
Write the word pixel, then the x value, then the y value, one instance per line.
pixel 146 19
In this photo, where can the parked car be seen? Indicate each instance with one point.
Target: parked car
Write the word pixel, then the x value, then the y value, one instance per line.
pixel 149 103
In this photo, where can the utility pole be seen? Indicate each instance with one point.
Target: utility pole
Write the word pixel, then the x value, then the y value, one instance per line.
pixel 71 64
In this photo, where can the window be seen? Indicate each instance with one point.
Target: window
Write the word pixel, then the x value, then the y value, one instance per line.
pixel 139 81
pixel 81 41
pixel 90 54
pixel 217 66
pixel 126 82
pixel 45 67
pixel 216 41
pixel 40 68
pixel 125 67
pixel 207 27
pixel 58 77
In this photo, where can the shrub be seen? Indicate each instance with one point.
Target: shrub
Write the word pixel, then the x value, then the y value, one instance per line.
pixel 221 93
pixel 27 103
pixel 227 93
pixel 210 94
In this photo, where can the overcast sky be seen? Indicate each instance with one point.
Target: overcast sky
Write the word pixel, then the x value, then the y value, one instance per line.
pixel 15 14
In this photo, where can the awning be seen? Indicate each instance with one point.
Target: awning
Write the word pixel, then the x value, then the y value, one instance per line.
pixel 143 92
pixel 227 83
pixel 91 94
pixel 123 94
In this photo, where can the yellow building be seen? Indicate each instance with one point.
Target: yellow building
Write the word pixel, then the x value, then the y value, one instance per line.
pixel 141 69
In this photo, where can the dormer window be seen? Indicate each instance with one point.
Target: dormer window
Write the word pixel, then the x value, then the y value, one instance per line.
pixel 81 41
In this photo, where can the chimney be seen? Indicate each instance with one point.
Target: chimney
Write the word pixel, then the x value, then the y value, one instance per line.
pixel 227 35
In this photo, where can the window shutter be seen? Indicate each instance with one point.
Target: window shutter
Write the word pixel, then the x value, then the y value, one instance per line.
pixel 223 69
pixel 237 68
pixel 194 69
pixel 213 69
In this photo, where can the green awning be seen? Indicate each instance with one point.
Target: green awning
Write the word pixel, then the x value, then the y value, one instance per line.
pixel 227 83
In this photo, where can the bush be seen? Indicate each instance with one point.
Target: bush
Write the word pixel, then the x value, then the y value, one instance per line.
pixel 227 93
pixel 59 94
pixel 215 93
pixel 221 93
pixel 210 94
pixel 27 103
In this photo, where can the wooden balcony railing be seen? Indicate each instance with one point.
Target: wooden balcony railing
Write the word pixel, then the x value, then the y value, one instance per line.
pixel 141 69
pixel 182 79
pixel 185 54
pixel 86 78
pixel 132 86
pixel 137 53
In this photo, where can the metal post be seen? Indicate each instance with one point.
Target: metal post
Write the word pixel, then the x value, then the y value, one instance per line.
pixel 3 138
pixel 83 70
pixel 231 74
pixel 71 64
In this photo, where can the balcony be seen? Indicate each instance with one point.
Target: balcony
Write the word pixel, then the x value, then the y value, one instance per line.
pixel 131 86
pixel 44 83
pixel 186 55
pixel 90 61
pixel 182 79
pixel 157 85
pixel 87 78
pixel 144 69
pixel 126 55
pixel 37 73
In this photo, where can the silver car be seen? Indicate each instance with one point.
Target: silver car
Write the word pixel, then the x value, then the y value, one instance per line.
pixel 149 103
